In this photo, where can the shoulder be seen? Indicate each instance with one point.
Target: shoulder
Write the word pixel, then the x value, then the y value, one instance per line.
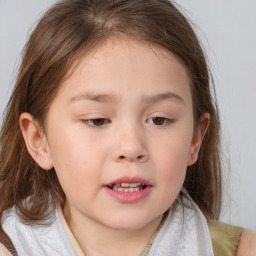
pixel 225 238
pixel 247 244
pixel 4 251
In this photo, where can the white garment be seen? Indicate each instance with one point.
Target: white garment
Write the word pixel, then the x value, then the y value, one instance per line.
pixel 37 240
pixel 184 233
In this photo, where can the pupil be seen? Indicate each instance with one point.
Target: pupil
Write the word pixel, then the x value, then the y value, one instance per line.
pixel 98 121
pixel 158 120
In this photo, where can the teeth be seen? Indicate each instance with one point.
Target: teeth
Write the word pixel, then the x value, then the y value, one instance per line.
pixel 133 189
pixel 125 185
pixel 128 187
pixel 131 185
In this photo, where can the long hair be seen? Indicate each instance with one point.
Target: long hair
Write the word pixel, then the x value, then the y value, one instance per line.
pixel 67 32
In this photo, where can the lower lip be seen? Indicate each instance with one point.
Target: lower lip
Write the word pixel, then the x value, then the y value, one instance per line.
pixel 129 197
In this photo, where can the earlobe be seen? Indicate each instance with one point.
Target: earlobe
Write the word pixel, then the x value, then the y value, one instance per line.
pixel 198 138
pixel 36 141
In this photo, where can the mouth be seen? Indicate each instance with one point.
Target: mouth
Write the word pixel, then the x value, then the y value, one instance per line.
pixel 129 184
pixel 127 187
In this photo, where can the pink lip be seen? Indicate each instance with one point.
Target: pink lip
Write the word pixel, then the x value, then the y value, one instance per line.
pixel 127 179
pixel 129 197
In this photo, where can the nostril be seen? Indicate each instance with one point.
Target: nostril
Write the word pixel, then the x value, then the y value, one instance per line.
pixel 131 156
pixel 138 157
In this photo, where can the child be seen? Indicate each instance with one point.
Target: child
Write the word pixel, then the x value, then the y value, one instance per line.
pixel 110 142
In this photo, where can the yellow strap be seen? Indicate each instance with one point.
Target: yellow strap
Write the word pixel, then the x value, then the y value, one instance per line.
pixel 70 235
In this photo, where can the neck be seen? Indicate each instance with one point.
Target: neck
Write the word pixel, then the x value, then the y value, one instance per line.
pixel 97 240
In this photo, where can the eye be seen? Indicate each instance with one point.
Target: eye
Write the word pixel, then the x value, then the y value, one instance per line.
pixel 96 121
pixel 160 121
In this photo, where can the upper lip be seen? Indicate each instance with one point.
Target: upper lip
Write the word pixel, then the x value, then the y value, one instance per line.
pixel 127 179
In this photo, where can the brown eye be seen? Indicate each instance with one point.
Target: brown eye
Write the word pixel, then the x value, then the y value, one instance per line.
pixel 96 121
pixel 159 120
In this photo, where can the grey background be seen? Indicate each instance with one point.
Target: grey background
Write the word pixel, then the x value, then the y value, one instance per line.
pixel 227 31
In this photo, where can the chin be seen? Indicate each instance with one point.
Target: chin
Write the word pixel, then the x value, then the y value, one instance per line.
pixel 130 222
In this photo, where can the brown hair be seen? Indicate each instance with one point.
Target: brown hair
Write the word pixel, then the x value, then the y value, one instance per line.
pixel 68 31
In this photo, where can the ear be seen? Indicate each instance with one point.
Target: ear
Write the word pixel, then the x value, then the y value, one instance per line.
pixel 36 141
pixel 197 139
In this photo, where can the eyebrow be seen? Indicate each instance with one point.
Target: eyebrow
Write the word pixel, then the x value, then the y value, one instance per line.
pixel 163 96
pixel 94 97
pixel 148 99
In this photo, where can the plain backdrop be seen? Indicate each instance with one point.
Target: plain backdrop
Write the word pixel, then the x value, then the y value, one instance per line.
pixel 227 31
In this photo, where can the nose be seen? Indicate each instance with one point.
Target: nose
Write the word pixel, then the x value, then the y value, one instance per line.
pixel 130 146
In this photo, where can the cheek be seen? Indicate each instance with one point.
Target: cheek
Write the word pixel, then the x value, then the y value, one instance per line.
pixel 77 162
pixel 173 150
pixel 172 166
pixel 171 160
pixel 72 146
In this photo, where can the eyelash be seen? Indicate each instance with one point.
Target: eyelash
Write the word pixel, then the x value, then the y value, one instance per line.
pixel 91 122
pixel 163 120
pixel 103 121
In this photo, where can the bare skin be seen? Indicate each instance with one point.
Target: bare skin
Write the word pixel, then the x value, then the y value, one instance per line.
pixel 4 251
pixel 247 244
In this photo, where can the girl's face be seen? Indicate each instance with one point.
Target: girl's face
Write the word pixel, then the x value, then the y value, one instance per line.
pixel 123 121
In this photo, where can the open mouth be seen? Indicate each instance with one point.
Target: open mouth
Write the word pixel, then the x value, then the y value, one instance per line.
pixel 127 187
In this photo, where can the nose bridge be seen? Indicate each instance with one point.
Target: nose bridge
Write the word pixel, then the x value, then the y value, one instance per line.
pixel 130 143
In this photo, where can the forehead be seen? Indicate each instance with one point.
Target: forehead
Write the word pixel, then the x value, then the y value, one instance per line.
pixel 130 50
pixel 126 63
